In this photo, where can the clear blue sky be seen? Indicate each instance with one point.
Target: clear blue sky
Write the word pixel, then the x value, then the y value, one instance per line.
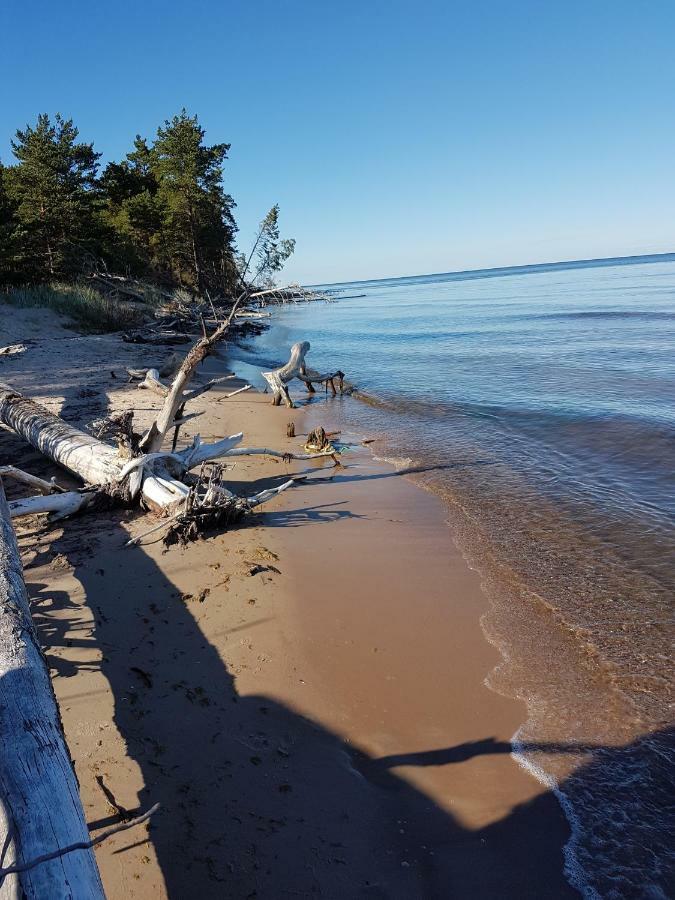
pixel 398 137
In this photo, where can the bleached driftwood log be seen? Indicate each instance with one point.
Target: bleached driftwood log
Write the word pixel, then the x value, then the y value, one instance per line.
pixel 156 476
pixel 40 804
pixel 296 367
pixel 60 506
pixel 94 461
pixel 152 383
pixel 159 477
pixel 81 454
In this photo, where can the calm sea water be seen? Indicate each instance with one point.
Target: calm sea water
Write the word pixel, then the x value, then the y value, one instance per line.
pixel 540 403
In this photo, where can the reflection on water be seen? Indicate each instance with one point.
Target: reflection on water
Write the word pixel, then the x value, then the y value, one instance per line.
pixel 545 403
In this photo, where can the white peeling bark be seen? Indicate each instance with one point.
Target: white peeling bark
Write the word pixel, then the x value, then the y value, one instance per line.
pixel 40 808
pixel 59 505
pixel 94 461
pixel 82 454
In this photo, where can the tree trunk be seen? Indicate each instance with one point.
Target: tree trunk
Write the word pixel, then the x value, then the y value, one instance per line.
pixel 40 804
pixel 96 462
pixel 92 460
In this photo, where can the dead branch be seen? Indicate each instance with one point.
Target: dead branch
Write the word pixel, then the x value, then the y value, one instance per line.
pixel 39 484
pixel 59 506
pixel 138 469
pixel 154 437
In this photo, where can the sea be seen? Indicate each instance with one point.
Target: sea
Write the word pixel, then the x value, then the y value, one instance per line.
pixel 539 402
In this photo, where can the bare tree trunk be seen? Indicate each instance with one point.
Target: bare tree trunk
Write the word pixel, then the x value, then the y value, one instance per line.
pixel 94 461
pixel 41 809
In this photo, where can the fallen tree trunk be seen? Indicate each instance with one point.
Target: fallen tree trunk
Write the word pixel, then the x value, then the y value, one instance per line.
pixel 157 476
pixel 41 809
pixel 92 460
pixel 96 462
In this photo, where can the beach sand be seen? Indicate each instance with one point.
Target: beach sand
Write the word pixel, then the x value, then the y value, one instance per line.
pixel 304 694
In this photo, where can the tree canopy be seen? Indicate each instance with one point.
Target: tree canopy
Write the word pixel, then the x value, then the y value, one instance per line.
pixel 161 213
pixel 53 191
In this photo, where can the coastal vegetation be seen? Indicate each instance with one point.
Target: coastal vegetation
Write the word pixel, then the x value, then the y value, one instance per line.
pixel 90 309
pixel 94 240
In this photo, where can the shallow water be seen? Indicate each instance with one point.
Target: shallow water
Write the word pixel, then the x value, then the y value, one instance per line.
pixel 540 402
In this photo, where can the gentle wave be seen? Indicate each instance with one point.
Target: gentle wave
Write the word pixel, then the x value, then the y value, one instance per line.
pixel 541 407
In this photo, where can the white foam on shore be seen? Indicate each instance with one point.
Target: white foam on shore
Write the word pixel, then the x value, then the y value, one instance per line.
pixel 573 870
pixel 398 462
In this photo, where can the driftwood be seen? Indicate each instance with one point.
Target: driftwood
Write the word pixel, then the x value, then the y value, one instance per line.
pixel 291 294
pixel 39 484
pixel 279 379
pixel 47 851
pixel 18 868
pixel 138 468
pixel 59 506
pixel 41 810
pixel 81 454
pixel 156 476
pixel 318 441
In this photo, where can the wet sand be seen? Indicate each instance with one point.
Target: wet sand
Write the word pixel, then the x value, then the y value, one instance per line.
pixel 304 695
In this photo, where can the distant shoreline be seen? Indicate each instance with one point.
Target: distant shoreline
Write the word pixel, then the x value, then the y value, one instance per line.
pixel 527 268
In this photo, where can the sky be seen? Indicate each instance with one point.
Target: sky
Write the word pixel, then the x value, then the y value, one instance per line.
pixel 397 137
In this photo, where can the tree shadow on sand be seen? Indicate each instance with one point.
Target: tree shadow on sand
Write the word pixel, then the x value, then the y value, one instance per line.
pixel 257 800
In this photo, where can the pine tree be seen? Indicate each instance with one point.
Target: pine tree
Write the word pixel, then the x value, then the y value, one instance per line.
pixel 7 272
pixel 197 222
pixel 270 251
pixel 133 212
pixel 54 190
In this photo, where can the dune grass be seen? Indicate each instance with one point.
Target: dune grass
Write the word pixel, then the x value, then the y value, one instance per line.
pixel 89 310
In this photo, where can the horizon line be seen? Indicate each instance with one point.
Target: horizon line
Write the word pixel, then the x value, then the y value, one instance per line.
pixel 501 270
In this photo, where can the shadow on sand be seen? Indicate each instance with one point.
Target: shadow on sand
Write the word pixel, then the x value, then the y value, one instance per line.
pixel 257 801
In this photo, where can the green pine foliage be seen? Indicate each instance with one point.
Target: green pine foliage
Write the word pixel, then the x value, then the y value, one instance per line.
pixel 6 232
pixel 161 214
pixel 197 222
pixel 271 252
pixel 54 193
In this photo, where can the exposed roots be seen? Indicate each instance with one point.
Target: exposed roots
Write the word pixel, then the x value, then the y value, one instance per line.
pixel 208 505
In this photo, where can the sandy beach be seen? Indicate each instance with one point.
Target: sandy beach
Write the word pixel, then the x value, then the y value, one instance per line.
pixel 303 694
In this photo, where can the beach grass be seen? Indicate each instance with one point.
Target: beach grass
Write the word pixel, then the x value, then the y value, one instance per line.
pixel 88 308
